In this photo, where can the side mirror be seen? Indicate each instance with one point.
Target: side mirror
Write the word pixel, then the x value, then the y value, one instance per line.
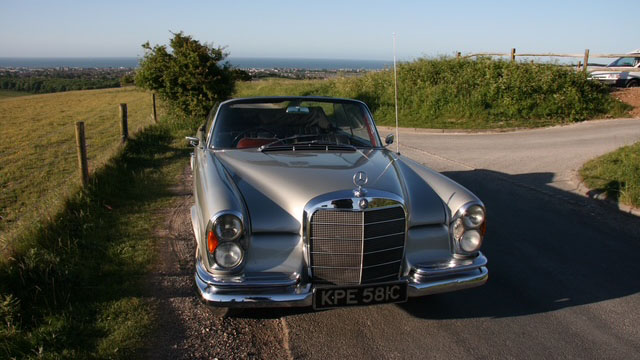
pixel 389 139
pixel 193 141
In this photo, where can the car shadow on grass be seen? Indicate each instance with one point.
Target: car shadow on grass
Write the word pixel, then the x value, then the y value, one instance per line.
pixel 548 249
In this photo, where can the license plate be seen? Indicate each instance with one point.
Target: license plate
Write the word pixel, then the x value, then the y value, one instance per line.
pixel 329 297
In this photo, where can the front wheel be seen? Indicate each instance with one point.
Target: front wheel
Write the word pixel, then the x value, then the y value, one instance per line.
pixel 633 83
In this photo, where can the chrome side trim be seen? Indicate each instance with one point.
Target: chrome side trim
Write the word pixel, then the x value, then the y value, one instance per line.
pixel 210 296
pixel 254 281
pixel 454 266
pixel 475 278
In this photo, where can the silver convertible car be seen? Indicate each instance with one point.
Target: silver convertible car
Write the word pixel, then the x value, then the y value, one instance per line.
pixel 299 203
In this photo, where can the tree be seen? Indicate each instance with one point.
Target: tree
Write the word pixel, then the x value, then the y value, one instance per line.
pixel 126 79
pixel 191 78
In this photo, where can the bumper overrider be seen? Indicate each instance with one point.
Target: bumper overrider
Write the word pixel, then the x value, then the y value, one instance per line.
pixel 284 290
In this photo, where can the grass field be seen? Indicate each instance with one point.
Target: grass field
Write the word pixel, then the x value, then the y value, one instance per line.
pixel 74 288
pixel 71 284
pixel 38 161
pixel 617 174
pixel 4 94
pixel 450 93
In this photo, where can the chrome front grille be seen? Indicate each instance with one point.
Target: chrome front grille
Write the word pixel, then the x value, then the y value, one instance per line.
pixel 357 247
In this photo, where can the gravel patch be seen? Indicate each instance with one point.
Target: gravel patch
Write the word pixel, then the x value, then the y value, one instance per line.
pixel 186 328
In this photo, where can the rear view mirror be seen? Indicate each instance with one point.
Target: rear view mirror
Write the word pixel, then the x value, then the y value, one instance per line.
pixel 193 141
pixel 297 110
pixel 389 139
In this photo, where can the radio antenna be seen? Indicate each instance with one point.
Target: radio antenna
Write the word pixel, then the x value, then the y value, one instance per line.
pixel 395 89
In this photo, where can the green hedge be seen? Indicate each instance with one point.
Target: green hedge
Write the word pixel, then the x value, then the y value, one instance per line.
pixel 462 93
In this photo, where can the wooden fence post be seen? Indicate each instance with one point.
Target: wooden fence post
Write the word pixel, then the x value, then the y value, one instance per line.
pixel 513 54
pixel 586 59
pixel 124 130
pixel 155 115
pixel 81 143
pixel 579 64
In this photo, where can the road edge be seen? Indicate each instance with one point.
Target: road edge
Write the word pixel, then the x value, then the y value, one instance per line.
pixel 586 191
pixel 492 131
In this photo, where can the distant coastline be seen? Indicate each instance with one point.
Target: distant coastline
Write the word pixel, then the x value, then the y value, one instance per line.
pixel 239 62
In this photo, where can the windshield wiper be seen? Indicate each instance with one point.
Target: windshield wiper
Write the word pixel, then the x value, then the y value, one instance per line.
pixel 325 143
pixel 265 146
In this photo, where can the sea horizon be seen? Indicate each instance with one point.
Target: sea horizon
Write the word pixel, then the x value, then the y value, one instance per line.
pixel 238 62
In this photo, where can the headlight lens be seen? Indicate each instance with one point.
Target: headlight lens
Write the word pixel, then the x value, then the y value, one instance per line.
pixel 457 229
pixel 471 241
pixel 468 229
pixel 228 227
pixel 228 254
pixel 473 217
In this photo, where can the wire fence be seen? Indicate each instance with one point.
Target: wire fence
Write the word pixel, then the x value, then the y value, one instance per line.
pixel 49 166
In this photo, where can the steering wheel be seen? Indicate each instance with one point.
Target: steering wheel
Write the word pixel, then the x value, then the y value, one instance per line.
pixel 240 136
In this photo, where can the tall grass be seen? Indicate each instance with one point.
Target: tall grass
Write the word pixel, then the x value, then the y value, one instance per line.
pixel 617 174
pixel 38 160
pixel 70 286
pixel 73 288
pixel 462 93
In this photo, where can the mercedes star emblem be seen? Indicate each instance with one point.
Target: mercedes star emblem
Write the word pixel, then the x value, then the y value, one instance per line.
pixel 360 178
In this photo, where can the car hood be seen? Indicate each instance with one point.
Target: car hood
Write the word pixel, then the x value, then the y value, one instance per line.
pixel 276 186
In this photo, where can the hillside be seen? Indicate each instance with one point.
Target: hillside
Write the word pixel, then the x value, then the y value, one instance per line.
pixel 38 165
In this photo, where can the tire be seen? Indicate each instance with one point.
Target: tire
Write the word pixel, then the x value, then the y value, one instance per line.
pixel 633 83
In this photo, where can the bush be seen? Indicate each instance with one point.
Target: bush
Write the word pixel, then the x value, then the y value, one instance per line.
pixel 191 78
pixel 461 93
pixel 126 80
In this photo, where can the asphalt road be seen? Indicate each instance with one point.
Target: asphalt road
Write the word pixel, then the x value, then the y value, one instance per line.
pixel 564 270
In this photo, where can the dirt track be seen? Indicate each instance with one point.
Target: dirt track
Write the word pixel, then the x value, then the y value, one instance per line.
pixel 632 97
pixel 186 328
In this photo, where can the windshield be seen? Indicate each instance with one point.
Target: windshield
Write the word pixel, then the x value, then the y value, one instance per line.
pixel 625 61
pixel 261 123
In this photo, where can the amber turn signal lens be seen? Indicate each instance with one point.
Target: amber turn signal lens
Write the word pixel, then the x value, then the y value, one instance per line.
pixel 212 242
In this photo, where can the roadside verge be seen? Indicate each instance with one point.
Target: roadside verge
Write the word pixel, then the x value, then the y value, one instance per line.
pixel 75 291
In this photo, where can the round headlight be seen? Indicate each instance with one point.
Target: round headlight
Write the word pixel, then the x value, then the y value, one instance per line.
pixel 473 217
pixel 471 241
pixel 228 254
pixel 457 229
pixel 228 227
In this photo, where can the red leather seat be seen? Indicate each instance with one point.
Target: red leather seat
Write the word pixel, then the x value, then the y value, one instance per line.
pixel 245 143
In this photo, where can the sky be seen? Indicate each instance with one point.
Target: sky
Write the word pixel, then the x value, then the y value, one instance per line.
pixel 316 29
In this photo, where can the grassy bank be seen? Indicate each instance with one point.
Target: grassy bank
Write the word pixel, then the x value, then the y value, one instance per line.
pixel 617 174
pixel 38 161
pixel 73 287
pixel 4 94
pixel 450 93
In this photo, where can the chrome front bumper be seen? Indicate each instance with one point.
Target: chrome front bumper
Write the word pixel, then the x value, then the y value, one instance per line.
pixel 280 290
